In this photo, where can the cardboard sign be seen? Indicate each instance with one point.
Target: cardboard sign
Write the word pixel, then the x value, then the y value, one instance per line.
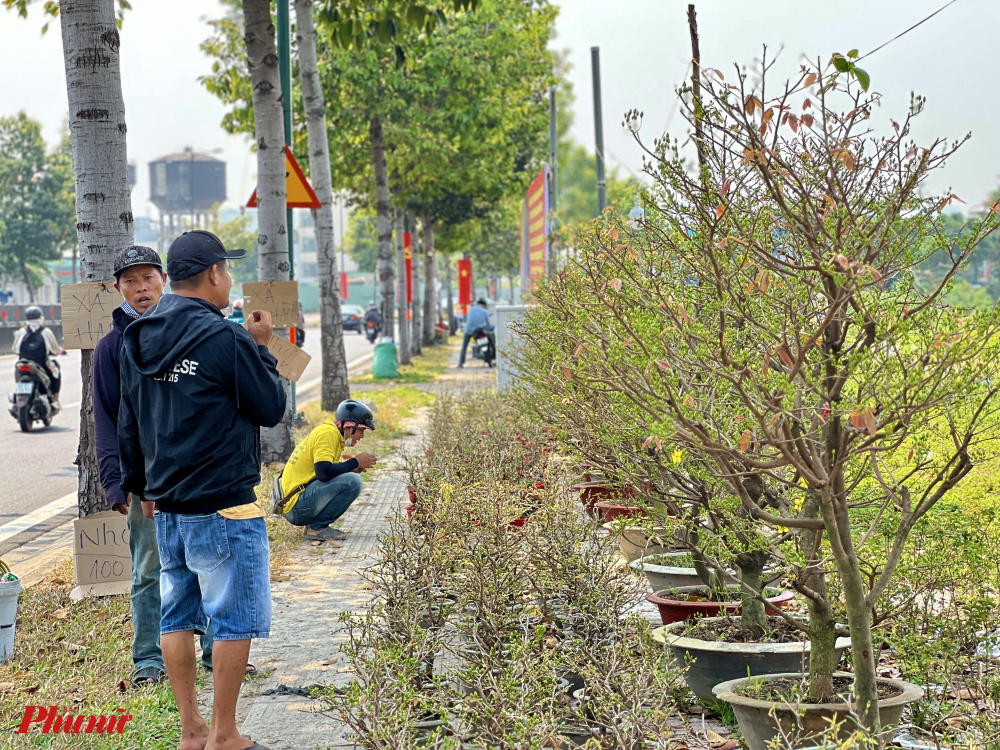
pixel 292 361
pixel 280 298
pixel 86 313
pixel 102 561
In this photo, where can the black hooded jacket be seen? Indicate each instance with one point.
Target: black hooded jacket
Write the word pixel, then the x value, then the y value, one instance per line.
pixel 196 388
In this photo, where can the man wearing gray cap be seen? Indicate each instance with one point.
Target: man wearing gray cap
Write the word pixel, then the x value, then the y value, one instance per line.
pixel 196 388
pixel 139 278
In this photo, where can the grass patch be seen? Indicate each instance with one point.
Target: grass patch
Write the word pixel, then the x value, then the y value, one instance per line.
pixel 393 406
pixel 76 657
pixel 422 369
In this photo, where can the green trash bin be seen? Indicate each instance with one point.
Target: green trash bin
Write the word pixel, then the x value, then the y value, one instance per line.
pixel 385 362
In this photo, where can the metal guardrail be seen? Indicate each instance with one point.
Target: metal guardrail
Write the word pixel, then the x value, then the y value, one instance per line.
pixel 12 318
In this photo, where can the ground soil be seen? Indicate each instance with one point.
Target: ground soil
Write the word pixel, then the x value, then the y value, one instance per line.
pixel 729 630
pixel 793 691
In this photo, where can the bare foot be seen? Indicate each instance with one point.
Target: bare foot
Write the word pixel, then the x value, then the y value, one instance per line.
pixel 195 740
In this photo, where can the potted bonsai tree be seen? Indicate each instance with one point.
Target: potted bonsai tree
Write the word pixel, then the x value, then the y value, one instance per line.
pixel 775 349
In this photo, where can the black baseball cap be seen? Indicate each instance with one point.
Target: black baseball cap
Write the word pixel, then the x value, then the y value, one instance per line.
pixel 194 251
pixel 136 255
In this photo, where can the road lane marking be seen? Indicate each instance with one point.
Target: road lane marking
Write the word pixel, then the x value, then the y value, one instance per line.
pixel 301 389
pixel 38 516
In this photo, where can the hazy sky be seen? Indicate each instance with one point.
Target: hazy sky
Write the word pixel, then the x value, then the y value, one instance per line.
pixel 645 50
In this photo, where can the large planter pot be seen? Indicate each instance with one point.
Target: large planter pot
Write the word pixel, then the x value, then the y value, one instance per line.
pixel 805 723
pixel 712 663
pixel 635 542
pixel 592 493
pixel 608 512
pixel 665 576
pixel 672 610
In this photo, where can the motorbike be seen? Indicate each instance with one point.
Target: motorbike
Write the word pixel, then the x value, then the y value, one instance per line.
pixel 482 346
pixel 371 331
pixel 31 400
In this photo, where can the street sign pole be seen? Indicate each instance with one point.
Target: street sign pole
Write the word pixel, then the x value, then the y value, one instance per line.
pixel 595 67
pixel 285 74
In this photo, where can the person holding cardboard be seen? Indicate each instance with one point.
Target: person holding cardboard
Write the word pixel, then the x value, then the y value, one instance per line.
pixel 139 278
pixel 196 389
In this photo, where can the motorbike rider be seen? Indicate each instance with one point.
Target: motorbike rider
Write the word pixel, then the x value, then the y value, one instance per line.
pixel 372 316
pixel 478 318
pixel 35 342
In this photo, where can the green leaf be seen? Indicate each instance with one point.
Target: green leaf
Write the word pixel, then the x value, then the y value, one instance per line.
pixel 840 62
pixel 863 78
pixel 852 53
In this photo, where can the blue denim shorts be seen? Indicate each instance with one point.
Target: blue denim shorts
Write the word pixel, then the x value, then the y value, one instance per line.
pixel 214 566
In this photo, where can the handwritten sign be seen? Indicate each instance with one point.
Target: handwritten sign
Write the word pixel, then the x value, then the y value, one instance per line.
pixel 280 298
pixel 86 313
pixel 292 361
pixel 101 557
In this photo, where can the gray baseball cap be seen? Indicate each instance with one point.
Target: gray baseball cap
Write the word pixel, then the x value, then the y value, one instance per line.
pixel 136 255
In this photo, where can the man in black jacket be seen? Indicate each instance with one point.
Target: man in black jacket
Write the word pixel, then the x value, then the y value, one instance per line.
pixel 139 278
pixel 196 389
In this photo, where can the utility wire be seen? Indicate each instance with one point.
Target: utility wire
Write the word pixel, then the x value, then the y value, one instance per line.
pixel 904 33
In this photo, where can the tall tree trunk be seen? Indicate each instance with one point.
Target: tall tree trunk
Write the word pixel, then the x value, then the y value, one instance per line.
pixel 272 239
pixel 430 280
pixel 383 227
pixel 510 278
pixel 27 281
pixel 100 164
pixel 416 326
pixel 452 323
pixel 404 324
pixel 335 387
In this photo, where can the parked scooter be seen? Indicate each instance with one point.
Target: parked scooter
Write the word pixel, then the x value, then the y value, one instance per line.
pixel 482 346
pixel 31 400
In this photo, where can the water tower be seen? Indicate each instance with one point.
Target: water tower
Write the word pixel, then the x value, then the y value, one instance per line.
pixel 186 186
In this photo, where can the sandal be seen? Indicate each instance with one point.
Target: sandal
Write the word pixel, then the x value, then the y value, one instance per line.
pixel 148 676
pixel 327 534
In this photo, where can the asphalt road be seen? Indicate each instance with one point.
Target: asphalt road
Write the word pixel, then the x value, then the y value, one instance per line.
pixel 37 467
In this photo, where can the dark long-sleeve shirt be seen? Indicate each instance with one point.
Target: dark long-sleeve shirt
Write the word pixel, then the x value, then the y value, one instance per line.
pixel 106 386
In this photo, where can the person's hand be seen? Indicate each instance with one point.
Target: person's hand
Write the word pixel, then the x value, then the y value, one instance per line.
pixel 366 460
pixel 148 508
pixel 63 351
pixel 259 326
pixel 123 507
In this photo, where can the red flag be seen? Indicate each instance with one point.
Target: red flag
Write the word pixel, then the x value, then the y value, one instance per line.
pixel 465 282
pixel 408 258
pixel 343 285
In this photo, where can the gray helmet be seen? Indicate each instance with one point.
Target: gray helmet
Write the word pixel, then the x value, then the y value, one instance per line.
pixel 351 413
pixel 136 255
pixel 33 313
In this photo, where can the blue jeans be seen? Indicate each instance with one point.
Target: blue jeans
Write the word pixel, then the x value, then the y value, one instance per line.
pixel 466 338
pixel 214 567
pixel 322 503
pixel 146 593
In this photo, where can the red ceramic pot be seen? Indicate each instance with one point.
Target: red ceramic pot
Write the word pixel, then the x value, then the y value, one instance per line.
pixel 412 494
pixel 608 512
pixel 518 522
pixel 672 610
pixel 592 493
pixel 409 510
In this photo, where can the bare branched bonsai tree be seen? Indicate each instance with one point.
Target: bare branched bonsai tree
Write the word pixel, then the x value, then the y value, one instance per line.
pixel 758 348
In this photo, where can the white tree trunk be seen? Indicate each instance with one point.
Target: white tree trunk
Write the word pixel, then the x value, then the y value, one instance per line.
pixel 383 227
pixel 452 323
pixel 335 387
pixel 416 325
pixel 100 163
pixel 430 281
pixel 272 240
pixel 404 324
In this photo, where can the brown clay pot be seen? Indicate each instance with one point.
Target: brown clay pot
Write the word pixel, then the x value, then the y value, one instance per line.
pixel 672 610
pixel 592 493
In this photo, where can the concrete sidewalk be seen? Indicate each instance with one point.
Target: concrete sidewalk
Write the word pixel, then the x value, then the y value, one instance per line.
pixel 303 649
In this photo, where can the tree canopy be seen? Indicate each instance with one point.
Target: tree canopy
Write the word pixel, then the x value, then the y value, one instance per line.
pixel 37 200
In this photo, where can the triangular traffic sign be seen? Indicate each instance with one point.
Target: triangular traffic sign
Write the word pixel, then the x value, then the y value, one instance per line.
pixel 300 192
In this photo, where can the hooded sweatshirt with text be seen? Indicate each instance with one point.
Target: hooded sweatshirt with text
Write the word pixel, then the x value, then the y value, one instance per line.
pixel 196 388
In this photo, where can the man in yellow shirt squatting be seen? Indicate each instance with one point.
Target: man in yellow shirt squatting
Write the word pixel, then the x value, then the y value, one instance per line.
pixel 317 487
